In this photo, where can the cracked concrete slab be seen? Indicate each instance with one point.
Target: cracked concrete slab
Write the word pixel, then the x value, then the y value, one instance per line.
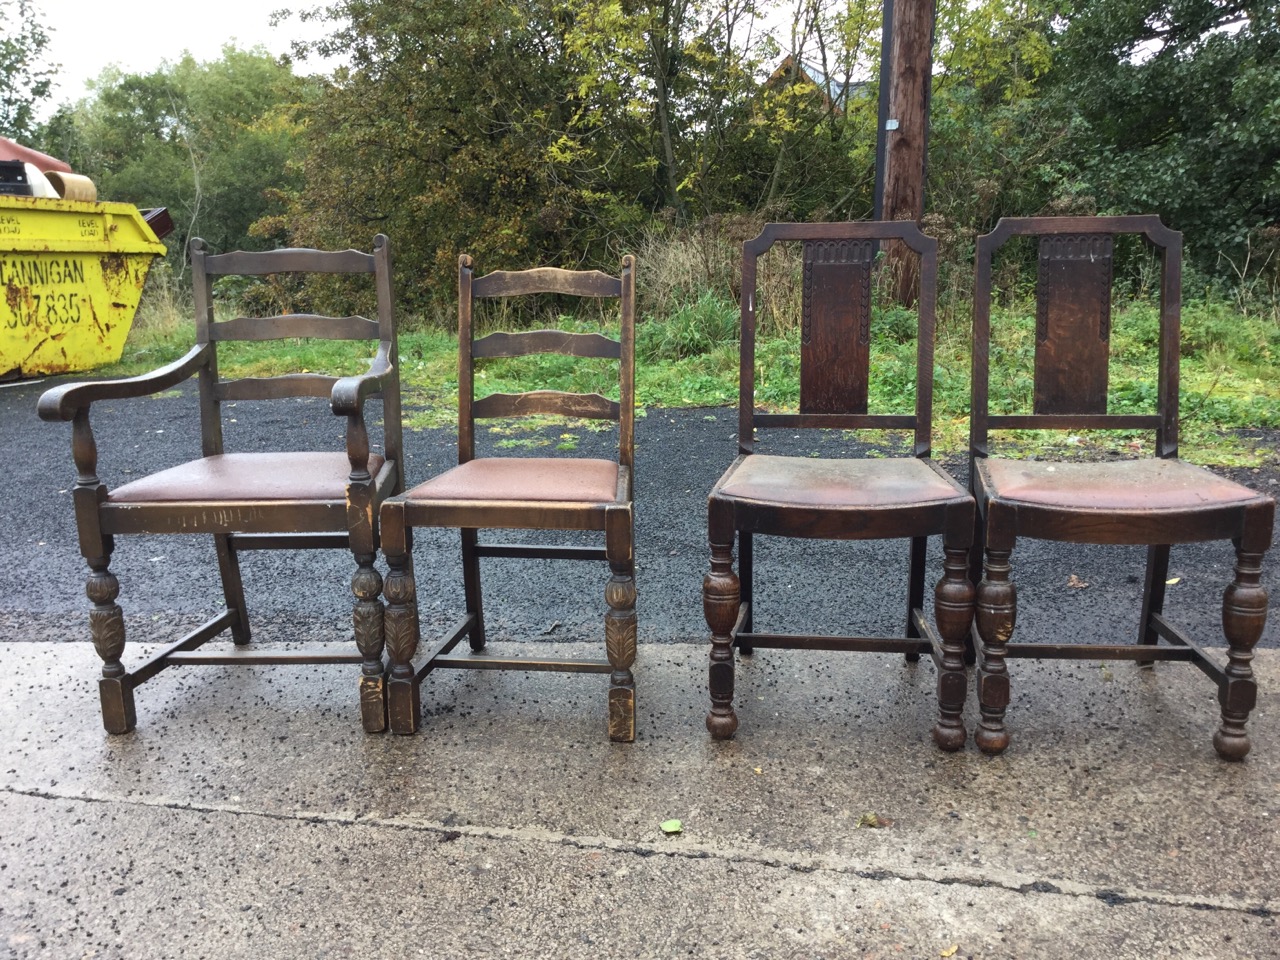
pixel 249 816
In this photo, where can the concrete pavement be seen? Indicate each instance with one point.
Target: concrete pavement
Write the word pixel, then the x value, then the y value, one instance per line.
pixel 248 816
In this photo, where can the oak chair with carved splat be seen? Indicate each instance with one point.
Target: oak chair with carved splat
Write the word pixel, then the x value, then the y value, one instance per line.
pixel 840 499
pixel 1153 502
pixel 248 501
pixel 523 493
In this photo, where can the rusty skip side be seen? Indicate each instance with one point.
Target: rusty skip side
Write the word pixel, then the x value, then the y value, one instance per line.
pixel 72 276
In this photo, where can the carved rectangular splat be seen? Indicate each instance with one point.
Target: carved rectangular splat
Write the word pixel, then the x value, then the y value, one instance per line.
pixel 835 336
pixel 1073 323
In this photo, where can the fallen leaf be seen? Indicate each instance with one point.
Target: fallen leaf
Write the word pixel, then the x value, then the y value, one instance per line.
pixel 1172 580
pixel 1076 583
pixel 759 769
pixel 950 951
pixel 671 827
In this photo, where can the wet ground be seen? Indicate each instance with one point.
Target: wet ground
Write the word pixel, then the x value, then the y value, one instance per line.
pixel 249 816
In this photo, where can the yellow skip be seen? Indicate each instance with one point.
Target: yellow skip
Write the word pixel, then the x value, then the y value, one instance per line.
pixel 71 275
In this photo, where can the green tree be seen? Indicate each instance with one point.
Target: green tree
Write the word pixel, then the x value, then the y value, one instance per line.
pixel 25 78
pixel 1174 108
pixel 215 142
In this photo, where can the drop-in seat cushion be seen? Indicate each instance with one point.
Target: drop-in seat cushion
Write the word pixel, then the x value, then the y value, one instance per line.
pixel 542 479
pixel 231 477
pixel 1162 485
pixel 811 482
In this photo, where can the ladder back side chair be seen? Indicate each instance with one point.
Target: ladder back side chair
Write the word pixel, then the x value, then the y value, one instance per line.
pixel 247 501
pixel 1155 502
pixel 529 493
pixel 840 499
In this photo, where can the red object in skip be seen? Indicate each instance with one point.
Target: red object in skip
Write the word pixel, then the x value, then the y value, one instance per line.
pixel 42 161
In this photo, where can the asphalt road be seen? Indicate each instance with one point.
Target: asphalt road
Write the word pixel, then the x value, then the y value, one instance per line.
pixel 171 582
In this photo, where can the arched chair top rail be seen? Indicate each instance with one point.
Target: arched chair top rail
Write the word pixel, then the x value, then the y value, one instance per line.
pixel 1148 225
pixel 904 230
pixel 519 283
pixel 288 260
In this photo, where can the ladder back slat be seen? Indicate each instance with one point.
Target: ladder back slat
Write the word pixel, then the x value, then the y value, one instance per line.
pixel 300 325
pixel 276 388
pixel 590 406
pixel 577 283
pixel 546 341
pixel 292 260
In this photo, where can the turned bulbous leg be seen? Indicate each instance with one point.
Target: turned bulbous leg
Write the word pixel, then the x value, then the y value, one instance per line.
pixel 953 612
pixel 721 594
pixel 1244 614
pixel 106 627
pixel 620 646
pixel 997 608
pixel 400 629
pixel 367 615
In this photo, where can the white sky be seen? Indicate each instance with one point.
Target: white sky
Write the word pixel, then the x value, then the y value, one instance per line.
pixel 87 35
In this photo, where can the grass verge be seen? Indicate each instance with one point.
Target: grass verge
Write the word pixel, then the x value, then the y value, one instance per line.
pixel 1229 382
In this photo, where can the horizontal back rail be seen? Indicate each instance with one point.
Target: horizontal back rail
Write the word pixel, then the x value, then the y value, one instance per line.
pixel 577 283
pixel 546 341
pixel 837 421
pixel 1074 421
pixel 589 406
pixel 276 388
pixel 291 260
pixel 294 325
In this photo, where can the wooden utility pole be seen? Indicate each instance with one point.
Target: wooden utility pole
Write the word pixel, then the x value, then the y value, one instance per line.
pixel 906 68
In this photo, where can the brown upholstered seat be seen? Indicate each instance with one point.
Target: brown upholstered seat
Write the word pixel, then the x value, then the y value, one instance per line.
pixel 251 501
pixel 812 482
pixel 1155 502
pixel 247 476
pixel 524 493
pixel 544 479
pixel 1148 485
pixel 907 498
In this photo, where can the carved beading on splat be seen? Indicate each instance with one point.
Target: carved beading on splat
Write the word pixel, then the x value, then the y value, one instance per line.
pixel 1073 323
pixel 835 331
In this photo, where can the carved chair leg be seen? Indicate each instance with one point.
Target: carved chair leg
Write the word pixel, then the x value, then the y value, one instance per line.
pixel 721 595
pixel 1244 614
pixel 1153 596
pixel 404 704
pixel 106 626
pixel 367 615
pixel 953 612
pixel 471 587
pixel 232 587
pixel 997 608
pixel 620 645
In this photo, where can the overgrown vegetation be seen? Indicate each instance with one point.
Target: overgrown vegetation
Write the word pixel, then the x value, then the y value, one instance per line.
pixel 544 131
pixel 689 356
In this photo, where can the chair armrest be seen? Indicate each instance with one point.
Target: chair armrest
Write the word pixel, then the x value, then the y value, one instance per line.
pixel 62 402
pixel 350 393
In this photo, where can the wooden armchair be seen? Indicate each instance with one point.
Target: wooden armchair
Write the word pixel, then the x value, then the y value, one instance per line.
pixel 530 493
pixel 1155 502
pixel 839 499
pixel 247 501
